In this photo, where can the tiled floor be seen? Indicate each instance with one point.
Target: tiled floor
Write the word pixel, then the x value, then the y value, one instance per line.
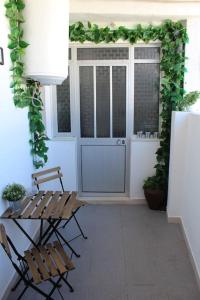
pixel 131 253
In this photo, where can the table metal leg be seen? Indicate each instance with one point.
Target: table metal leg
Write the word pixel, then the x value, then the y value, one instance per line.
pixel 64 240
pixel 50 231
pixel 25 233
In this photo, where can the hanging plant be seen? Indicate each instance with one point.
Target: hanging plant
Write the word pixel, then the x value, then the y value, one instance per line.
pixel 26 93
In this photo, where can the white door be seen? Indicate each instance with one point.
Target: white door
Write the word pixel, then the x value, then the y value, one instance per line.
pixel 103 129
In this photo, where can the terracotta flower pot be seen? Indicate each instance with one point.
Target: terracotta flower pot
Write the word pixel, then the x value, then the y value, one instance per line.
pixel 156 199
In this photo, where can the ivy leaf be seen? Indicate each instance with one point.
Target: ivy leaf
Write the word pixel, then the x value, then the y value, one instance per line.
pixel 20 5
pixel 23 44
pixel 12 45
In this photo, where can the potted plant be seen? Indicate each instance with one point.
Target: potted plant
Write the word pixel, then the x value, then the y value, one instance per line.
pixel 14 193
pixel 155 193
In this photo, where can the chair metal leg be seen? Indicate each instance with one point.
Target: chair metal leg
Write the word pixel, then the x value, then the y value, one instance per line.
pixel 67 283
pixel 23 292
pixel 55 286
pixel 41 292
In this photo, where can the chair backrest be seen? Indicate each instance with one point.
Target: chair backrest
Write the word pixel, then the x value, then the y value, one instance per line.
pixel 4 241
pixel 52 174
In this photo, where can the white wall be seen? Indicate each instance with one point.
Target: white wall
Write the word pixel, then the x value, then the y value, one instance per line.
pixel 108 11
pixel 63 153
pixel 15 159
pixel 184 171
pixel 143 160
pixel 183 199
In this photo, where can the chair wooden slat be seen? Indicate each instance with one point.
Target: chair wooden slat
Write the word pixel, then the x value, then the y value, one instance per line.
pixel 29 259
pixel 49 178
pixel 48 260
pixel 40 264
pixel 4 241
pixel 38 174
pixel 68 263
pixel 51 206
pixel 39 209
pixel 60 266
pixel 59 209
pixel 27 213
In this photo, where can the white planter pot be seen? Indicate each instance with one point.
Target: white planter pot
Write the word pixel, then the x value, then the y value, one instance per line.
pixel 15 205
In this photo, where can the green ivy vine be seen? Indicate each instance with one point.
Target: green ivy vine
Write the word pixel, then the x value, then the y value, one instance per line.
pixel 26 92
pixel 173 37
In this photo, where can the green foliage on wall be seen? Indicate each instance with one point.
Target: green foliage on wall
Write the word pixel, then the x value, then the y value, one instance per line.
pixel 26 93
pixel 173 37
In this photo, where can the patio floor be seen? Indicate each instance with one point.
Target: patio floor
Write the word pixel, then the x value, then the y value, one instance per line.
pixel 131 253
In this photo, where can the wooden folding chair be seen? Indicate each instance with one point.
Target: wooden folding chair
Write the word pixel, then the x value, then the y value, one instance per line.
pixel 52 174
pixel 40 264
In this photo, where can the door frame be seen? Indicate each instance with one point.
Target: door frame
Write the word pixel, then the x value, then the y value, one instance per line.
pixel 129 111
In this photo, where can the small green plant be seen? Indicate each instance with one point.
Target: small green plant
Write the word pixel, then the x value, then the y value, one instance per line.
pixel 188 100
pixel 13 192
pixel 152 182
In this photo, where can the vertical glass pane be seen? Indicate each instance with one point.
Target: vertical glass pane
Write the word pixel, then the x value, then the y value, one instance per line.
pixel 86 101
pixel 63 106
pixel 119 100
pixel 146 100
pixel 103 101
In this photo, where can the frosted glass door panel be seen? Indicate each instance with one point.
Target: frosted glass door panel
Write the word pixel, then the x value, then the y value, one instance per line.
pixel 87 101
pixel 103 101
pixel 146 104
pixel 119 100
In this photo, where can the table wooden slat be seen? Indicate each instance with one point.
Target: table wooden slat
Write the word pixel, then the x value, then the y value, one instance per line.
pixel 25 204
pixel 39 209
pixel 61 204
pixel 27 213
pixel 51 206
pixel 7 213
pixel 69 207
